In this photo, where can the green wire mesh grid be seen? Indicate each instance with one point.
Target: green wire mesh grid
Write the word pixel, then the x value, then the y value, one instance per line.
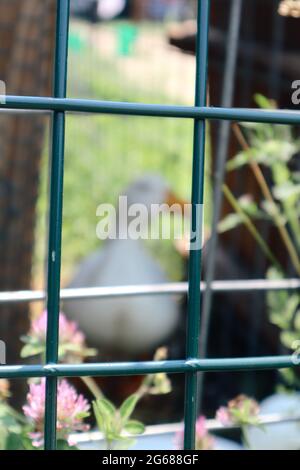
pixel 59 105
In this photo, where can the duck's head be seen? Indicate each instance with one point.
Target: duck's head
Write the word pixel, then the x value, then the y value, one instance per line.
pixel 151 189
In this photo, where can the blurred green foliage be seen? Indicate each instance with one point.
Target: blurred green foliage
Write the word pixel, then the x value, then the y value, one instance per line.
pixel 104 153
pixel 274 148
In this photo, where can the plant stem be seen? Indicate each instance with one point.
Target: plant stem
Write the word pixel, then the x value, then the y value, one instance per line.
pixel 145 386
pixel 268 195
pixel 15 414
pixel 92 386
pixel 245 438
pixel 250 226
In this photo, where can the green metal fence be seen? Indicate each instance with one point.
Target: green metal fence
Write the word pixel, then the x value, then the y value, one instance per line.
pixel 59 105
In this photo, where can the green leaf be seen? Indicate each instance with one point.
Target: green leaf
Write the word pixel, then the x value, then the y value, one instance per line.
pixel 27 442
pixel 281 173
pixel 263 102
pixel 248 205
pixel 241 159
pixel 288 338
pixel 283 310
pixel 105 414
pixel 286 190
pixel 30 350
pixel 229 222
pixel 106 407
pixel 90 352
pixel 297 320
pixel 128 407
pixel 290 378
pixel 98 416
pixel 63 445
pixel 76 348
pixel 10 429
pixel 274 273
pixel 273 151
pixel 83 415
pixel 15 442
pixel 30 339
pixel 272 210
pixel 134 427
pixel 276 301
pixel 161 385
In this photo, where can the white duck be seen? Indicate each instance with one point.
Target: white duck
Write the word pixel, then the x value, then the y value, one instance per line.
pixel 131 324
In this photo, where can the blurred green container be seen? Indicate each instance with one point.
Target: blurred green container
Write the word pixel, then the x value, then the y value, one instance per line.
pixel 76 42
pixel 126 38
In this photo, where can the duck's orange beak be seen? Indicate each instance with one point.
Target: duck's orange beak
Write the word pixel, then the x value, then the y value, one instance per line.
pixel 172 199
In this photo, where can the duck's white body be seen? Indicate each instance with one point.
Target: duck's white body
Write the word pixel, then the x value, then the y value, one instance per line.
pixel 134 324
pixel 130 324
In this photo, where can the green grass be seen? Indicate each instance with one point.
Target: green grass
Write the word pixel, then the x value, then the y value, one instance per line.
pixel 104 153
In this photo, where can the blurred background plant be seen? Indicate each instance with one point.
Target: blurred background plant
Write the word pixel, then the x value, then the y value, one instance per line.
pixel 72 409
pixel 26 430
pixel 241 411
pixel 72 347
pixel 14 427
pixel 275 148
pixel 130 59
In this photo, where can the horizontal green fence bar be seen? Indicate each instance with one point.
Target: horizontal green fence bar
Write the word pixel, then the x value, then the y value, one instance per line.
pixel 148 367
pixel 138 109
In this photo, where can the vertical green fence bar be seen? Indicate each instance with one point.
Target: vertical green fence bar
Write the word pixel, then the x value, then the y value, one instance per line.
pixel 193 325
pixel 55 219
